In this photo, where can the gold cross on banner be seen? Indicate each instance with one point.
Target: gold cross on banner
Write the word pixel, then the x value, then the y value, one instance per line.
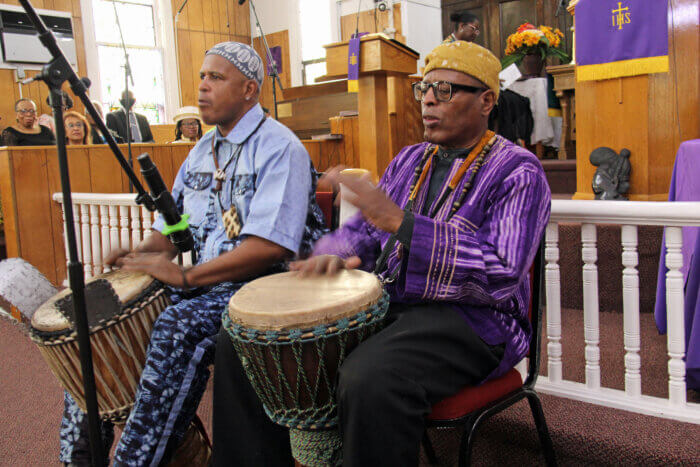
pixel 353 59
pixel 620 16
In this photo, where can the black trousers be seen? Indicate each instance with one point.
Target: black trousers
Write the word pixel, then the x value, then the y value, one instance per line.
pixel 386 388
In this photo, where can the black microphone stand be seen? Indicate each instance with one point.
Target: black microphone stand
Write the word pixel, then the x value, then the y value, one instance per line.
pixel 126 102
pixel 273 64
pixel 54 74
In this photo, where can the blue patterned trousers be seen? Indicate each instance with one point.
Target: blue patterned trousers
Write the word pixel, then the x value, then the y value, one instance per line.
pixel 174 378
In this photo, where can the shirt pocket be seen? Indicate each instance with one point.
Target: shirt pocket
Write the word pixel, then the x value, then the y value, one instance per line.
pixel 242 190
pixel 196 195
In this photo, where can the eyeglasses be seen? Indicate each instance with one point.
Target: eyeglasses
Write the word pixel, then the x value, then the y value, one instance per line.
pixel 190 124
pixel 475 29
pixel 74 125
pixel 443 90
pixel 26 111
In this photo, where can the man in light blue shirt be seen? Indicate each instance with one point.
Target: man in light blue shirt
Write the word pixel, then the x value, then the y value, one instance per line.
pixel 249 188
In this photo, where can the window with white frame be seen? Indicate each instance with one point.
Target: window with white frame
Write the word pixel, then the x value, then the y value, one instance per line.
pixel 315 22
pixel 137 20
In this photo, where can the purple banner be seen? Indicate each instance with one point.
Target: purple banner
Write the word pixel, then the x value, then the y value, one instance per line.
pixel 353 64
pixel 276 53
pixel 616 30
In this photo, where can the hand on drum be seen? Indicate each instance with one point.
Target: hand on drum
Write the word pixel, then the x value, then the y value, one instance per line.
pixel 324 264
pixel 374 204
pixel 157 265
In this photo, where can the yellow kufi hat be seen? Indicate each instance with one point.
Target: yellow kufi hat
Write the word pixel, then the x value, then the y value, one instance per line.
pixel 189 111
pixel 467 57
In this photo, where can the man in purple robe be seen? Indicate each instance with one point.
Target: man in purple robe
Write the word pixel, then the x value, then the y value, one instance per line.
pixel 452 229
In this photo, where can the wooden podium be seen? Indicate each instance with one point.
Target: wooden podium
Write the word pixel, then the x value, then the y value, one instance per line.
pixel 380 58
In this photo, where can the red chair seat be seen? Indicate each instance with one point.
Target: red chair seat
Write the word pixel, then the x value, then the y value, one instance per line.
pixel 325 202
pixel 473 398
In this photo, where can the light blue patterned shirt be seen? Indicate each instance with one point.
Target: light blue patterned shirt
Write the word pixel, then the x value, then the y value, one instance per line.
pixel 270 184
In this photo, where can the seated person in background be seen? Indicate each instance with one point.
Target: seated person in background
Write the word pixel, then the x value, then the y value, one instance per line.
pixel 95 135
pixel 465 27
pixel 269 188
pixel 139 128
pixel 47 120
pixel 188 125
pixel 77 128
pixel 26 131
pixel 459 246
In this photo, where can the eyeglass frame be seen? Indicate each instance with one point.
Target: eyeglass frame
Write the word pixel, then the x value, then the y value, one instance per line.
pixel 26 111
pixel 192 124
pixel 75 125
pixel 453 87
pixel 477 31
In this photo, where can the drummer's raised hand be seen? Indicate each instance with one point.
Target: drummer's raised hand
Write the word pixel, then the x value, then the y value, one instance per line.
pixel 374 204
pixel 158 265
pixel 324 264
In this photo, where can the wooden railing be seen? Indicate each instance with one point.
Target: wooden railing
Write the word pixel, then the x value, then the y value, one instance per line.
pixel 673 216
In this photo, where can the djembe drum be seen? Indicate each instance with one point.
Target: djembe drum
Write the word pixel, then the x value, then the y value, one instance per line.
pixel 292 333
pixel 121 308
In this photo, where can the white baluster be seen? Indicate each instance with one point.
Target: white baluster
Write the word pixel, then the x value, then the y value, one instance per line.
pixel 135 226
pixel 76 228
pixel 674 315
pixel 113 227
pixel 104 224
pixel 95 238
pixel 124 224
pixel 553 292
pixel 87 247
pixel 630 303
pixel 65 242
pixel 590 305
pixel 146 222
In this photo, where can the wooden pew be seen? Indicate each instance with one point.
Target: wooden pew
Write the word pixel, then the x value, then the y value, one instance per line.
pixel 29 176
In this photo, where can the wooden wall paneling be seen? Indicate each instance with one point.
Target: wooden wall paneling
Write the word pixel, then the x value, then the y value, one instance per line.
pixel 223 27
pixel 32 195
pixel 195 15
pixel 8 198
pixel 187 87
pixel 210 40
pixel 105 172
pixel 313 148
pixel 241 16
pixel 197 50
pixel 209 13
pixel 348 23
pixel 7 105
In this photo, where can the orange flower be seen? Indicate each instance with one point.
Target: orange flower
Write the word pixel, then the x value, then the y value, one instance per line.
pixel 525 26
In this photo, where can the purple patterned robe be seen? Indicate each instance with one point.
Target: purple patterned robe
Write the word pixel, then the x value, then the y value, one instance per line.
pixel 479 259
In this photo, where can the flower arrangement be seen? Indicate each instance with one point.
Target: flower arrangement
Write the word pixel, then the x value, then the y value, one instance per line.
pixel 528 39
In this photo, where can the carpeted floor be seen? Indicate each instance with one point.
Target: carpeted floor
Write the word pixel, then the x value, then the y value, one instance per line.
pixel 583 434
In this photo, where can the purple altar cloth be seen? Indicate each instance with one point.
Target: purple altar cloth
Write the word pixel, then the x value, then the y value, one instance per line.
pixel 685 186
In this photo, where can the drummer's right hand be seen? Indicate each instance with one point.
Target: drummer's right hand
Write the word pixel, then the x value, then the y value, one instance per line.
pixel 114 257
pixel 324 264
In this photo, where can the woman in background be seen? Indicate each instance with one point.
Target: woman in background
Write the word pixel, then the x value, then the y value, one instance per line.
pixel 188 125
pixel 26 132
pixel 77 128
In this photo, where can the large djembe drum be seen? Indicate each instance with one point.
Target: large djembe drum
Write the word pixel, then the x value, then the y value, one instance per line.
pixel 292 333
pixel 121 308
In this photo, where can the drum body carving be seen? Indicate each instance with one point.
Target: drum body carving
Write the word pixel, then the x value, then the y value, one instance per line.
pixel 292 334
pixel 122 308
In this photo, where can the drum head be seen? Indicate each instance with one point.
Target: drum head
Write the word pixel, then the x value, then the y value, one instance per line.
pixel 126 285
pixel 288 301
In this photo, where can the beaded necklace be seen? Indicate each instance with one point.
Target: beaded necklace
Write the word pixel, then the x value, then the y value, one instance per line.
pixel 477 155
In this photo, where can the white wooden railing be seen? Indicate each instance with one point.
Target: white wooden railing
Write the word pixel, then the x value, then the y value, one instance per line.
pixel 673 216
pixel 107 221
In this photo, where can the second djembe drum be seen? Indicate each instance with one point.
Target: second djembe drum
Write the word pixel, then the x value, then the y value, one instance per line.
pixel 292 333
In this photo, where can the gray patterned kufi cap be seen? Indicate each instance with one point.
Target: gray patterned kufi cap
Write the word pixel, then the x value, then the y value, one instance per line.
pixel 243 57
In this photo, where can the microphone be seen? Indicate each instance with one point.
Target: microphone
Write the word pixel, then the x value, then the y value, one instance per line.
pixel 241 2
pixel 176 226
pixel 357 23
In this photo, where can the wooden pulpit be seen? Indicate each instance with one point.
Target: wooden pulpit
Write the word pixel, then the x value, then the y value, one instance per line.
pixel 380 58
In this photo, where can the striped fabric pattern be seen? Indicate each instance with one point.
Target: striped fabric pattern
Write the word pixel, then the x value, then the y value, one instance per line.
pixel 479 259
